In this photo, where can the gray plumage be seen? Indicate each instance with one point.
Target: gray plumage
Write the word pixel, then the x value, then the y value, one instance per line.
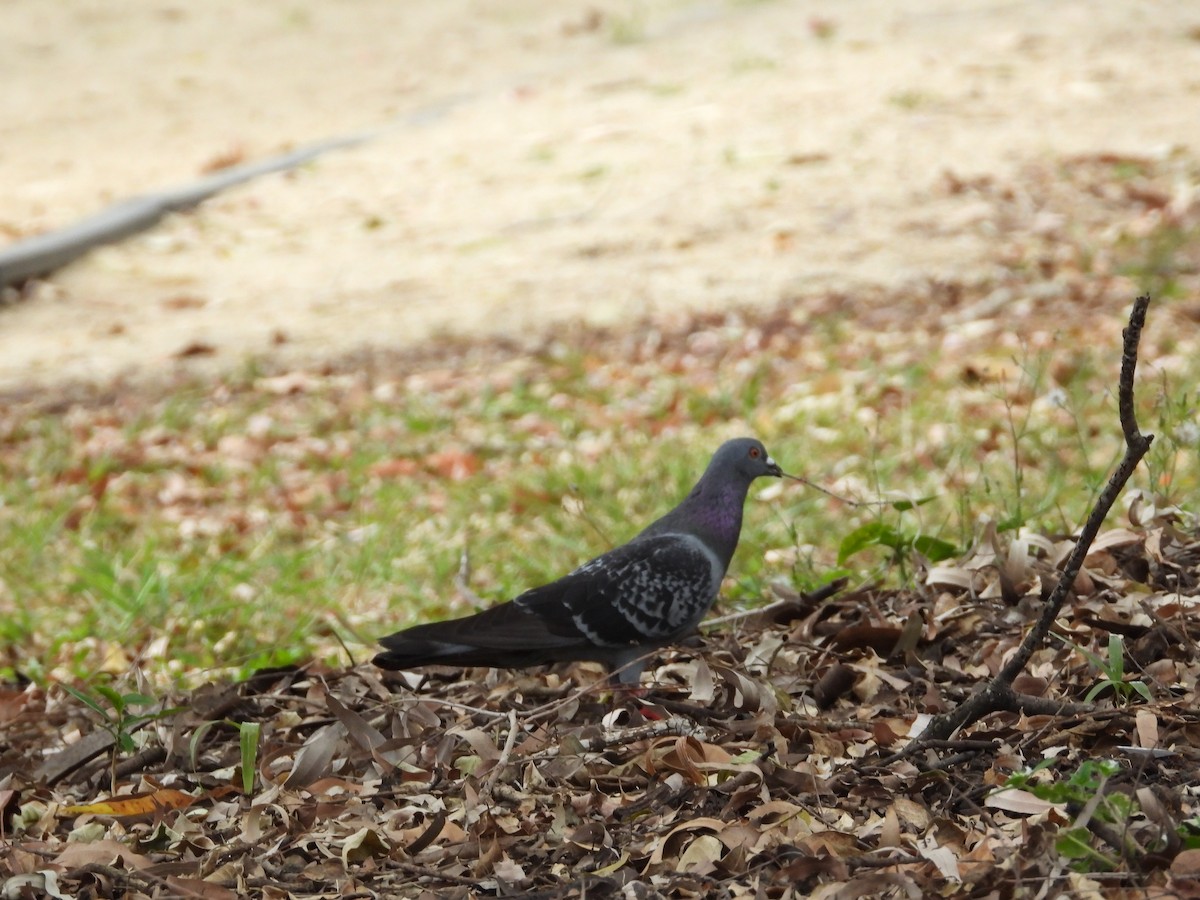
pixel 620 605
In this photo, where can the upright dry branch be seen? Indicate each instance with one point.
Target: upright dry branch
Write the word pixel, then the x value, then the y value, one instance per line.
pixel 998 694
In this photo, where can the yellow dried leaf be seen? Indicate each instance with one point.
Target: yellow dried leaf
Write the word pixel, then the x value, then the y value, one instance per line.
pixel 889 833
pixel 773 812
pixel 1018 801
pixel 701 855
pixel 673 838
pixel 912 813
pixel 1147 729
pixel 363 844
pixel 134 804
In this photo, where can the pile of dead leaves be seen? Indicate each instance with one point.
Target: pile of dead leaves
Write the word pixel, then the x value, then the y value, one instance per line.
pixel 763 764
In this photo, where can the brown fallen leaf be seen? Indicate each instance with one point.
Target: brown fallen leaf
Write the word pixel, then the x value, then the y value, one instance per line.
pixel 833 685
pixel 1018 801
pixel 880 638
pixel 1186 865
pixel 394 468
pixel 195 348
pixel 198 889
pixel 313 759
pixel 104 852
pixel 453 463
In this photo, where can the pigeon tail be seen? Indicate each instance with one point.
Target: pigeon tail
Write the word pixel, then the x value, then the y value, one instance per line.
pixel 502 636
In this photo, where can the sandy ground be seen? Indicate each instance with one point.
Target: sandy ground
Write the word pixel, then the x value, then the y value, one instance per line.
pixel 535 162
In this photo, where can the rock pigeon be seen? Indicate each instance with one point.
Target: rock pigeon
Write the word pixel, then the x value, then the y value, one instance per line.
pixel 621 605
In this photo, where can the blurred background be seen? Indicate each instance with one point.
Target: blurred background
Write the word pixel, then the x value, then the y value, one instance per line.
pixel 533 163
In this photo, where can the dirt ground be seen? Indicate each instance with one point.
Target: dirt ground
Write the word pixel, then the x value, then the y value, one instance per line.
pixel 536 162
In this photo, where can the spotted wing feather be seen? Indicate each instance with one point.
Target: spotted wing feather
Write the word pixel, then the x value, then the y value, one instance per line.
pixel 644 593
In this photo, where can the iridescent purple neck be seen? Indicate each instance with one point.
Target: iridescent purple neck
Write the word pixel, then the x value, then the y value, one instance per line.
pixel 712 513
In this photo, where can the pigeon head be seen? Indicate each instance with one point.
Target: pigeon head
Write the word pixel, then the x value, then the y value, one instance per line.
pixel 713 509
pixel 746 457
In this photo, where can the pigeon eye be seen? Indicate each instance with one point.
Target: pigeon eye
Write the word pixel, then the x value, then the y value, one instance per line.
pixel 754 453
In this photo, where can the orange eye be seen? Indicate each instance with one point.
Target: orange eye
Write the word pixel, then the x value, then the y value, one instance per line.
pixel 754 453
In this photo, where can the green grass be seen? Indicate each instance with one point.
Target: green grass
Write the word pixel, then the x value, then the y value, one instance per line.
pixel 210 528
pixel 220 528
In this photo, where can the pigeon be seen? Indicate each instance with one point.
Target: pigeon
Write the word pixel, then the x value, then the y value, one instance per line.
pixel 619 606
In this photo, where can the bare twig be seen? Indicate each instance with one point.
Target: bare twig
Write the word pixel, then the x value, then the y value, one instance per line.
pixel 812 597
pixel 433 874
pixel 998 694
pixel 829 493
pixel 748 613
pixel 462 579
pixel 676 726
pixel 502 762
pixel 450 704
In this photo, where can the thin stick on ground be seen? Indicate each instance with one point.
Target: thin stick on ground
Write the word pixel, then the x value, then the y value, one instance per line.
pixel 462 578
pixel 502 763
pixel 998 694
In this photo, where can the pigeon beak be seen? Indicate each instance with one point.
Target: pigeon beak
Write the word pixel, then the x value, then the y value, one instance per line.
pixel 773 468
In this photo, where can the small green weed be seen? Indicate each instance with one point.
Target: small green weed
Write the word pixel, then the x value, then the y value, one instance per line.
pixel 1113 672
pixel 903 542
pixel 1082 787
pixel 115 710
pixel 249 739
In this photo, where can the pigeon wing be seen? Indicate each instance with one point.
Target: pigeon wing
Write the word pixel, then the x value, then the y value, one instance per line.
pixel 644 593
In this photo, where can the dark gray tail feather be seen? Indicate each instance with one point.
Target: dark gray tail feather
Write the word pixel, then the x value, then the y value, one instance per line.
pixel 401 652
